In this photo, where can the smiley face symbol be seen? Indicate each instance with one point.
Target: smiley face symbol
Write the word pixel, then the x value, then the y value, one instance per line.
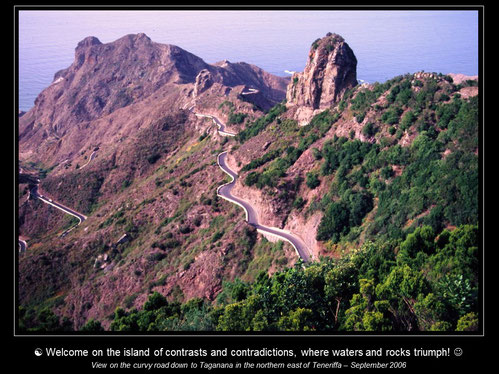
pixel 458 352
pixel 38 352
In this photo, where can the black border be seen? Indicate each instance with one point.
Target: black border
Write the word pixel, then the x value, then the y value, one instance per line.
pixel 470 343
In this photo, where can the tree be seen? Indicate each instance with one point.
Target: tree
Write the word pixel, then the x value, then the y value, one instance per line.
pixel 365 313
pixel 312 180
pixel 359 205
pixel 407 120
pixel 43 320
pixel 340 284
pixel 297 320
pixel 235 317
pixel 468 322
pixel 421 240
pixel 431 311
pixel 334 223
pixel 92 326
pixel 155 301
pixel 369 130
pixel 401 289
pixel 458 292
pixel 260 321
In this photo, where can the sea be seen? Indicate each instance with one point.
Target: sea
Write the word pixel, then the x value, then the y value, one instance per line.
pixel 386 43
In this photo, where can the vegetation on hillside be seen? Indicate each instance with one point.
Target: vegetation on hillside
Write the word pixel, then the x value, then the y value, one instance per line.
pixel 434 180
pixel 399 204
pixel 426 282
pixel 422 148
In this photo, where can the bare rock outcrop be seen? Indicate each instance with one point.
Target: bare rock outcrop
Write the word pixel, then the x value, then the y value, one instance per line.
pixel 204 80
pixel 330 70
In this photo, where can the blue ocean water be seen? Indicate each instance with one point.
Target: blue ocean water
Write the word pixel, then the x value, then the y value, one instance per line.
pixel 386 43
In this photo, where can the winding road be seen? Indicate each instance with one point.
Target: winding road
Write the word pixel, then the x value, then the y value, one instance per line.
pixel 22 245
pixel 34 193
pixel 92 156
pixel 74 213
pixel 220 125
pixel 224 191
pixel 251 91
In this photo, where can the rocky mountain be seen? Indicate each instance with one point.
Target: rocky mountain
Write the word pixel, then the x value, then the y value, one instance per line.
pixel 104 94
pixel 331 69
pixel 114 139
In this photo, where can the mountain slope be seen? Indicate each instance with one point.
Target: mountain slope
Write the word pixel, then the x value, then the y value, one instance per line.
pixel 113 89
pixel 112 138
pixel 327 170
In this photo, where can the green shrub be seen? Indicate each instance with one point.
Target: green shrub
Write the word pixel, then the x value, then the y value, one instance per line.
pixel 369 129
pixel 254 128
pixel 391 116
pixel 312 180
pixel 299 203
pixel 236 118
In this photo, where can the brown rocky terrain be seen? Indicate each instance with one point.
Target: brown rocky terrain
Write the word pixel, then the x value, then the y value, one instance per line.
pixel 113 89
pixel 113 138
pixel 331 69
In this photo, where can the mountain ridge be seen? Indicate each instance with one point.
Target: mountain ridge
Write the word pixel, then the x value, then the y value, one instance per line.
pixel 150 175
pixel 107 78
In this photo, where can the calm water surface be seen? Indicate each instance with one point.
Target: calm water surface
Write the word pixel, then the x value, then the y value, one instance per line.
pixel 386 43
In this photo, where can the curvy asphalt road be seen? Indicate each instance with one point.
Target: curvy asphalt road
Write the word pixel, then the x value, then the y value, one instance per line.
pixel 250 91
pixel 22 245
pixel 34 192
pixel 224 191
pixel 92 156
pixel 220 125
pixel 74 213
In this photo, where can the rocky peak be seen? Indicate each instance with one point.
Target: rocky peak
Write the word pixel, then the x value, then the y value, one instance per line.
pixel 84 50
pixel 132 72
pixel 331 69
pixel 88 42
pixel 143 37
pixel 139 40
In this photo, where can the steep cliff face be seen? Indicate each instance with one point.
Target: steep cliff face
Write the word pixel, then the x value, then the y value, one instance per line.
pixel 329 72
